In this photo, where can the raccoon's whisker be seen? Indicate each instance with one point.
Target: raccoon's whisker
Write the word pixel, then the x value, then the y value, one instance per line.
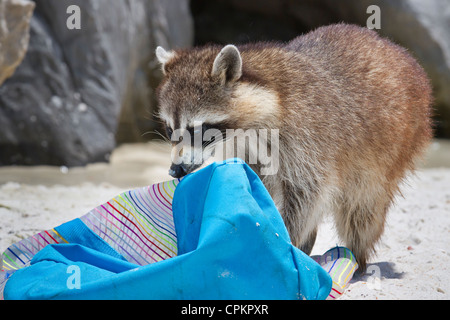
pixel 159 121
pixel 217 138
pixel 165 139
pixel 156 114
pixel 206 144
pixel 216 141
pixel 145 133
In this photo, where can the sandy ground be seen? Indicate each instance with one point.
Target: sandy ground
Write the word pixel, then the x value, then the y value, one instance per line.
pixel 412 260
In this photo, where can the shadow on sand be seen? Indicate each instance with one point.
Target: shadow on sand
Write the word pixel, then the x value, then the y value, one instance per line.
pixel 378 270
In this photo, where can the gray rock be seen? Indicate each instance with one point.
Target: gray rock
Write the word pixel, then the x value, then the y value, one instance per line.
pixel 15 18
pixel 78 91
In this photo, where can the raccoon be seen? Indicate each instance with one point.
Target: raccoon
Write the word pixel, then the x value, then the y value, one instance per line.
pixel 353 112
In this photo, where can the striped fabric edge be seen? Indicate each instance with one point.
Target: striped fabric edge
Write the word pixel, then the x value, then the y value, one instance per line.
pixel 19 254
pixel 340 263
pixel 138 224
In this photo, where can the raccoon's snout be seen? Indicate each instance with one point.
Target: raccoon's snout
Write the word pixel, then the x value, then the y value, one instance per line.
pixel 177 170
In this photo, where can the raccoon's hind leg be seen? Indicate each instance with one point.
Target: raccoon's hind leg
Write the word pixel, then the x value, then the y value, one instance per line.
pixel 360 217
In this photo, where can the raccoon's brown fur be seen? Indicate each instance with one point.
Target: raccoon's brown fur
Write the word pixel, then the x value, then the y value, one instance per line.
pixel 353 113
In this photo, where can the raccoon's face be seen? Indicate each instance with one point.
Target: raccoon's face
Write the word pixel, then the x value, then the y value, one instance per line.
pixel 194 100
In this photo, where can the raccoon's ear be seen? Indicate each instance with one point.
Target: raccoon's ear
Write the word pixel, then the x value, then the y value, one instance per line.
pixel 227 65
pixel 164 56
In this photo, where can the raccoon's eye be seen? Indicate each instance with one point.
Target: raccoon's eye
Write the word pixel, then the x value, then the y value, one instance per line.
pixel 206 126
pixel 169 132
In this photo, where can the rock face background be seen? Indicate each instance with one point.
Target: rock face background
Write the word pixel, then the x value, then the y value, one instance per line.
pixel 78 92
pixel 70 96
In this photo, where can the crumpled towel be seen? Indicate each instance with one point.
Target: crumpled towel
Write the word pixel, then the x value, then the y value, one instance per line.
pixel 225 240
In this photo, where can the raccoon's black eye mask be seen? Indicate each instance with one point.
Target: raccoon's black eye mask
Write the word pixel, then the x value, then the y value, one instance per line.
pixel 169 132
pixel 194 131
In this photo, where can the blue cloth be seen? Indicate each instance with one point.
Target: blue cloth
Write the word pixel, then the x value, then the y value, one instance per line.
pixel 232 244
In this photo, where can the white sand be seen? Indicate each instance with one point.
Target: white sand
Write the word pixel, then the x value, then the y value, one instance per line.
pixel 412 260
pixel 413 256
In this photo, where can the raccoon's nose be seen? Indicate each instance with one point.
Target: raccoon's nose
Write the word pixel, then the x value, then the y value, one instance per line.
pixel 177 170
